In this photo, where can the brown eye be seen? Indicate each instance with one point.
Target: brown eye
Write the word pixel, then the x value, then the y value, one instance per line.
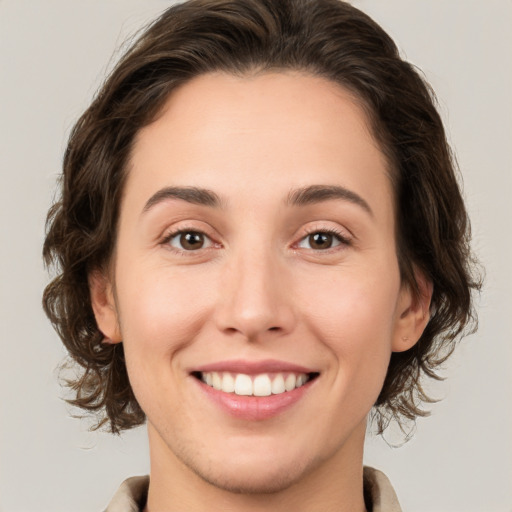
pixel 189 241
pixel 321 240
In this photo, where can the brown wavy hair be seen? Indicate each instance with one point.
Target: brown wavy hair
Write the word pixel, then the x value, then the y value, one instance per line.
pixel 327 38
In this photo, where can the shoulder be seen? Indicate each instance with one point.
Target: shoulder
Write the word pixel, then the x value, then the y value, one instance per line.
pixel 131 495
pixel 379 492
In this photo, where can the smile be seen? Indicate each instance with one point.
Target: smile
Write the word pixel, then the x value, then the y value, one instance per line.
pixel 264 384
pixel 254 390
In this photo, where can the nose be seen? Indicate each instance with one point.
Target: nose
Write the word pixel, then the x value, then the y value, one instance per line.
pixel 255 299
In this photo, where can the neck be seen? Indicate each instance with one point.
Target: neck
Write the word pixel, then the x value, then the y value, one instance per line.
pixel 333 485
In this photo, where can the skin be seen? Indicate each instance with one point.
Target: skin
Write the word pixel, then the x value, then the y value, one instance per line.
pixel 258 289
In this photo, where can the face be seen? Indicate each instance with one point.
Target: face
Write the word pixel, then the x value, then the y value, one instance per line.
pixel 256 256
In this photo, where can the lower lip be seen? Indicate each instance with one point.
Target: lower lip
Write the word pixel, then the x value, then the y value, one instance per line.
pixel 254 408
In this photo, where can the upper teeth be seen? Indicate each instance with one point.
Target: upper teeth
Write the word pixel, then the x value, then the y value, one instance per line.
pixel 254 385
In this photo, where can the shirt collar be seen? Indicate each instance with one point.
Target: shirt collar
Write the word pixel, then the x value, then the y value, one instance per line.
pixel 132 494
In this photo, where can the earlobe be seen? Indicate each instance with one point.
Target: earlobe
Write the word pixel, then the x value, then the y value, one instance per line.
pixel 104 307
pixel 413 313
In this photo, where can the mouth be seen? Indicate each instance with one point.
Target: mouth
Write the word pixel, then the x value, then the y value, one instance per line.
pixel 257 385
pixel 254 390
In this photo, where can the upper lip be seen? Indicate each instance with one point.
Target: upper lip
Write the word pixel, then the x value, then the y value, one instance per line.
pixel 253 367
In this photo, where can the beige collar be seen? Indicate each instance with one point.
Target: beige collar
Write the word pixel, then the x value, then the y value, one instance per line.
pixel 131 496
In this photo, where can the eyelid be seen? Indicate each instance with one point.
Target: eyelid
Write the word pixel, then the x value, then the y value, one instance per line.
pixel 208 241
pixel 172 232
pixel 344 236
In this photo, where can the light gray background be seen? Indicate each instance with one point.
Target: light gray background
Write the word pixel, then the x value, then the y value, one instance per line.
pixel 53 55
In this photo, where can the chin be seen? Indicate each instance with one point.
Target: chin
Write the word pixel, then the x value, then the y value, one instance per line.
pixel 248 479
pixel 258 471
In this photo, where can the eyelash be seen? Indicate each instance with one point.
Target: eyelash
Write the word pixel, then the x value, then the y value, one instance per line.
pixel 183 252
pixel 341 238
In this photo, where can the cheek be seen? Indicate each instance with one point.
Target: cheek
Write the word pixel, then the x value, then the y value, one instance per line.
pixel 357 305
pixel 161 311
pixel 353 316
pixel 161 314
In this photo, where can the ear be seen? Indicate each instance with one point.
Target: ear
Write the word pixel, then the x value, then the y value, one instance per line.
pixel 413 313
pixel 104 306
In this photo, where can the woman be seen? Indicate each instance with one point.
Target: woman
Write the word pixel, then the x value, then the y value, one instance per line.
pixel 261 242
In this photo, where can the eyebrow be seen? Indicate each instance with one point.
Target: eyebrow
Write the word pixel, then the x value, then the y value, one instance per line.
pixel 297 197
pixel 319 193
pixel 194 195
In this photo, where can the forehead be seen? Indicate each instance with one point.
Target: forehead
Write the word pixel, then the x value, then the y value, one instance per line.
pixel 259 133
